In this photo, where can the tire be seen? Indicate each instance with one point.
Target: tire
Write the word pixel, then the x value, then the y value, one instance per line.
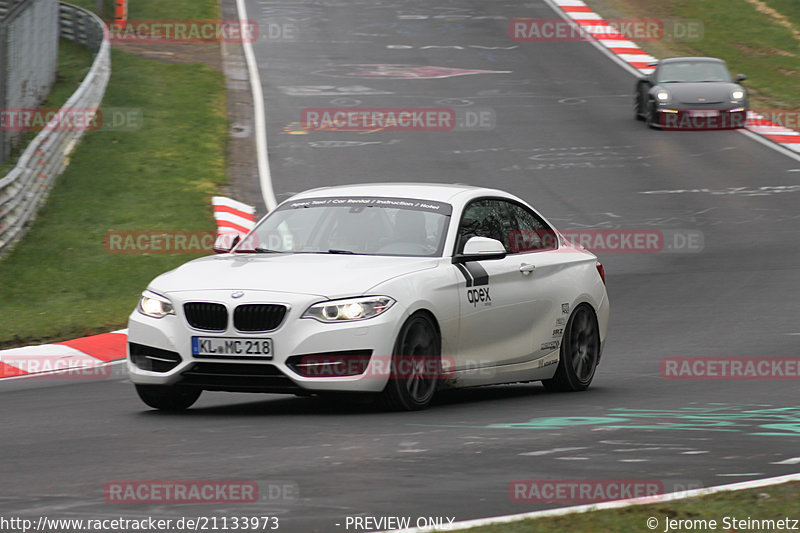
pixel 650 118
pixel 416 365
pixel 168 397
pixel 637 108
pixel 580 353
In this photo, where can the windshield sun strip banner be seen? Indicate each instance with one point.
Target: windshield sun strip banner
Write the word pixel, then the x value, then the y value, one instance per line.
pixel 413 204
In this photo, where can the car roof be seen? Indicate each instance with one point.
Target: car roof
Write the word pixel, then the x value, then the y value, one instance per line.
pixel 682 59
pixel 440 192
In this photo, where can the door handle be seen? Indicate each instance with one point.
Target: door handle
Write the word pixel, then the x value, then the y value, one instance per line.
pixel 526 269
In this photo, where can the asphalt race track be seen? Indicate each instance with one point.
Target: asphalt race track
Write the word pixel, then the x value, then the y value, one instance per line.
pixel 563 137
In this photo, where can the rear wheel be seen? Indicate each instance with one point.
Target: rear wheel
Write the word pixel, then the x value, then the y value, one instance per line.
pixel 168 397
pixel 416 365
pixel 580 352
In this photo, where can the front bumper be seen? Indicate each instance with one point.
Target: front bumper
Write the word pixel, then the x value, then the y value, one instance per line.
pixel 680 118
pixel 160 349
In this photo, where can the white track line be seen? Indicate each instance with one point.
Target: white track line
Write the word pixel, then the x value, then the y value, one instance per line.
pixel 618 504
pixel 775 146
pixel 259 110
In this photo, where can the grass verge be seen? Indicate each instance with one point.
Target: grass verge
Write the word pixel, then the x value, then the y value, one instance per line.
pixel 749 39
pixel 60 282
pixel 766 503
pixel 788 8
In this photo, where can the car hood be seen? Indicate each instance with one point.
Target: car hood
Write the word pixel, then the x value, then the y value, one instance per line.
pixel 701 93
pixel 330 276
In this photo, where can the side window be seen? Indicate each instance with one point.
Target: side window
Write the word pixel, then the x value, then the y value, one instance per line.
pixel 485 218
pixel 530 233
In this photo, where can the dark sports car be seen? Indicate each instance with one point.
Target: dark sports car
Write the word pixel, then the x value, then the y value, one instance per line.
pixel 691 93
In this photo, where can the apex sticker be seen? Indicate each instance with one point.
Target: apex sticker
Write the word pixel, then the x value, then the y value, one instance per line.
pixel 476 296
pixel 477 283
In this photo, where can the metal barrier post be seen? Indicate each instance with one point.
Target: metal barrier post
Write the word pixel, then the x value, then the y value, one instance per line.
pixel 4 148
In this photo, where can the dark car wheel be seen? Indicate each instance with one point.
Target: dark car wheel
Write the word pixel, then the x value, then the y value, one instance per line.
pixel 580 352
pixel 168 397
pixel 651 118
pixel 416 365
pixel 637 108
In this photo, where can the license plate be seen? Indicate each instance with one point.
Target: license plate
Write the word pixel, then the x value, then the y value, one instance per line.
pixel 704 113
pixel 226 346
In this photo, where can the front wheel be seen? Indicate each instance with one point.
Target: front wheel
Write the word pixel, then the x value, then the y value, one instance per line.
pixel 580 352
pixel 637 108
pixel 651 116
pixel 415 367
pixel 168 397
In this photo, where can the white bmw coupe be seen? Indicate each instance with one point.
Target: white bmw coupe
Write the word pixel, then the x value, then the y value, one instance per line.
pixel 394 290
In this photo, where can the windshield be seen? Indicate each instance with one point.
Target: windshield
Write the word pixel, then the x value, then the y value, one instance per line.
pixel 353 225
pixel 693 72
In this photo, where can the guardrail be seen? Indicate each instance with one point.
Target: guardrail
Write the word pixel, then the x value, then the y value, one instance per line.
pixel 25 187
pixel 28 59
pixel 6 5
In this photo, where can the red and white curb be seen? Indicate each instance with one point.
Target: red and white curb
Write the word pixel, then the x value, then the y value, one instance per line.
pixel 606 34
pixel 632 55
pixel 85 356
pixel 90 356
pixel 233 216
pixel 774 132
pixel 616 504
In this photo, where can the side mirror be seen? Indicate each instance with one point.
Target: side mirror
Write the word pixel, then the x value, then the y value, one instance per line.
pixel 740 77
pixel 225 243
pixel 481 249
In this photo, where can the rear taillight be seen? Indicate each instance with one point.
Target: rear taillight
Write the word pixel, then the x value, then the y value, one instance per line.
pixel 601 271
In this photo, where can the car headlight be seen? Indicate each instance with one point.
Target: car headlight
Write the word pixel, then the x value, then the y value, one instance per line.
pixel 737 94
pixel 154 305
pixel 662 96
pixel 349 310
